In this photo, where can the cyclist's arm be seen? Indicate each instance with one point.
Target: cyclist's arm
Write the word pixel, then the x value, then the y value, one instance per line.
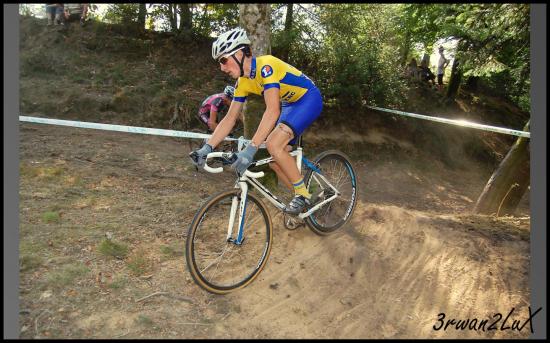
pixel 226 124
pixel 212 121
pixel 271 114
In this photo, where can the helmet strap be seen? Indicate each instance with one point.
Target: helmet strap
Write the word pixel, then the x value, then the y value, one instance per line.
pixel 241 63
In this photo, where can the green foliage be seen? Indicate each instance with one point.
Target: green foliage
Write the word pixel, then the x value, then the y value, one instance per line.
pixel 493 40
pixel 118 283
pixel 110 248
pixel 139 264
pixel 206 19
pixel 28 262
pixel 210 19
pixel 67 275
pixel 172 250
pixel 349 50
pixel 359 55
pixel 144 320
pixel 25 9
pixel 122 13
pixel 51 217
pixel 353 52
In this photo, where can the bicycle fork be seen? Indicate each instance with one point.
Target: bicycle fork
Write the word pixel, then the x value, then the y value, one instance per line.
pixel 241 206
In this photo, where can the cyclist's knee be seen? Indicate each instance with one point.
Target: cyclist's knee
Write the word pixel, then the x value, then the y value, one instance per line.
pixel 277 142
pixel 274 166
pixel 275 148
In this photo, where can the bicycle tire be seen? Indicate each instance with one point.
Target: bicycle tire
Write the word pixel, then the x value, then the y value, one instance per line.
pixel 316 219
pixel 253 269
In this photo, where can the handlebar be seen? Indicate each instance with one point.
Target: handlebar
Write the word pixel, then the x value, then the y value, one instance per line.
pixel 227 156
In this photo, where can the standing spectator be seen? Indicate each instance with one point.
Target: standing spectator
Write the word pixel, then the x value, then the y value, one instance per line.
pixel 441 65
pixel 54 13
pixel 76 12
pixel 426 73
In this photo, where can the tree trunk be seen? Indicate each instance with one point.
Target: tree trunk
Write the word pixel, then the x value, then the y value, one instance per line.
pixel 255 19
pixel 509 182
pixel 202 24
pixel 141 16
pixel 287 43
pixel 185 18
pixel 173 17
pixel 406 48
pixel 454 82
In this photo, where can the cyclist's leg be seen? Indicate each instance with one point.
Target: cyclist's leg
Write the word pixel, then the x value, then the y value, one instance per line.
pixel 294 119
pixel 276 144
pixel 280 174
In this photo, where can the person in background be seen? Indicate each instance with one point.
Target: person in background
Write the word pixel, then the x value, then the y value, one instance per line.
pixel 214 105
pixel 76 12
pixel 441 65
pixel 426 73
pixel 54 13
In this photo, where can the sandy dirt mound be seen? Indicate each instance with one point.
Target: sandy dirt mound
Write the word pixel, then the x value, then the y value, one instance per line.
pixel 411 251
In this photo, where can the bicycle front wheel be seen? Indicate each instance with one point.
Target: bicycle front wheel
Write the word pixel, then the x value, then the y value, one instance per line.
pixel 334 168
pixel 217 263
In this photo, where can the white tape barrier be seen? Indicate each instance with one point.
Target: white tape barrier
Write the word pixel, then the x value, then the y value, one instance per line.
pixel 463 123
pixel 124 128
pixel 242 142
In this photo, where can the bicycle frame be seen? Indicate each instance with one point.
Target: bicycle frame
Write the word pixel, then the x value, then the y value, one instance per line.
pixel 249 178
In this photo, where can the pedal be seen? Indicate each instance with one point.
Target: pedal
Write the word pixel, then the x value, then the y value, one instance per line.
pixel 292 223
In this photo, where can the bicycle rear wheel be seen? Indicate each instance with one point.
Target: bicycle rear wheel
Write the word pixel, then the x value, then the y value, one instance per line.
pixel 336 168
pixel 217 264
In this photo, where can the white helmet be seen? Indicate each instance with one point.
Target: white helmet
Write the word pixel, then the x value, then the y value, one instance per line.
pixel 227 42
pixel 229 91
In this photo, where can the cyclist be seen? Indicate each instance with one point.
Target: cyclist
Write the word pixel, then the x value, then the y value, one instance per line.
pixel 292 101
pixel 213 105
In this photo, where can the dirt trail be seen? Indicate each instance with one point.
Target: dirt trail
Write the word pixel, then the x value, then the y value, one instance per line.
pixel 411 251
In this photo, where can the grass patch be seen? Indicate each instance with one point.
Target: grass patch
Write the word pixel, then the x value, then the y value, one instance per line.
pixel 138 264
pixel 29 262
pixel 38 63
pixel 51 217
pixel 118 283
pixel 172 250
pixel 27 246
pixel 144 320
pixel 87 201
pixel 50 172
pixel 110 248
pixel 47 173
pixel 67 275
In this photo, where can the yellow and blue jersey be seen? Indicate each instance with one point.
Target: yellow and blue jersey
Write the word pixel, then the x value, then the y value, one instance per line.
pixel 270 72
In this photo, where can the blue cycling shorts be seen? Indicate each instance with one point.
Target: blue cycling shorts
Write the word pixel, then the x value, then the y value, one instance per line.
pixel 300 114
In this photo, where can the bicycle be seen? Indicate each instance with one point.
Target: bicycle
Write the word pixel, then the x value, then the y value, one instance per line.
pixel 222 259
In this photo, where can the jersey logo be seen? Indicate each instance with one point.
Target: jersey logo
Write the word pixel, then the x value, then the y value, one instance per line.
pixel 267 71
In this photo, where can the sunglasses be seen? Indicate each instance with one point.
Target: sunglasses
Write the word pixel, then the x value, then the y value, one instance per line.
pixel 223 60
